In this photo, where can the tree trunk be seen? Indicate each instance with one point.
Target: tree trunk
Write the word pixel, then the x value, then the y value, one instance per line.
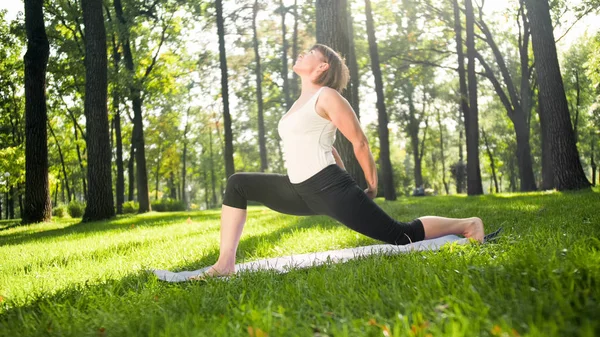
pixel 172 188
pixel 413 134
pixel 120 187
pixel 389 192
pixel 100 204
pixel 284 57
pixel 441 126
pixel 353 67
pixel 184 162
pixel 258 71
pixel 568 172
pixel 464 94
pixel 524 153
pixel 474 186
pixel 138 126
pixel 547 167
pixel 213 183
pixel 130 170
pixel 62 161
pixel 11 202
pixel 332 30
pixel 295 78
pixel 229 167
pixel 492 162
pixel 593 163
pixel 38 206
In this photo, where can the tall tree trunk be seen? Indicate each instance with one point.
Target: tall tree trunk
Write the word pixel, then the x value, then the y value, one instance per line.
pixel 568 172
pixel 213 184
pixel 184 162
pixel 547 166
pixel 593 162
pixel 332 30
pixel 131 171
pixel 172 188
pixel 389 192
pixel 294 84
pixel 136 104
pixel 577 103
pixel 492 162
pixel 62 161
pixel 441 126
pixel 284 57
pixel 464 94
pixel 38 206
pixel 80 160
pixel 120 187
pixel 259 99
pixel 474 186
pixel 11 202
pixel 229 167
pixel 100 203
pixel 353 67
pixel 413 134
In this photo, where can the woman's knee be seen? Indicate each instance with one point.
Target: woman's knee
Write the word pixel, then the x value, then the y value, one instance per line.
pixel 235 194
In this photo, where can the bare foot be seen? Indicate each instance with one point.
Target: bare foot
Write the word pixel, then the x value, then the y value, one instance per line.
pixel 213 271
pixel 474 229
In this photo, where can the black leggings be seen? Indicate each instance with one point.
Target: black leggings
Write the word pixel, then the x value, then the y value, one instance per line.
pixel 330 192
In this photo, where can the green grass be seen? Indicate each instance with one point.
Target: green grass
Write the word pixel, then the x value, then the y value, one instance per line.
pixel 540 279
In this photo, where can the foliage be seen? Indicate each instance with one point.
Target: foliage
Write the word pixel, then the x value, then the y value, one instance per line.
pixel 168 205
pixel 76 209
pixel 130 207
pixel 60 211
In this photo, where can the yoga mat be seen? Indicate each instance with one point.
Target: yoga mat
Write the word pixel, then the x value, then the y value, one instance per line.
pixel 286 263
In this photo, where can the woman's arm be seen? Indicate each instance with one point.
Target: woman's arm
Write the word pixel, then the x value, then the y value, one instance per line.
pixel 338 159
pixel 343 117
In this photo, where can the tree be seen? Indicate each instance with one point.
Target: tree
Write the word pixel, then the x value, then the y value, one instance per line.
pixel 389 191
pixel 38 206
pixel 259 97
pixel 474 186
pixel 332 30
pixel 100 199
pixel 518 103
pixel 568 172
pixel 229 168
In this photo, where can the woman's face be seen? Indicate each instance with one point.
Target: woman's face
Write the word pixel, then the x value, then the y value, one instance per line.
pixel 309 62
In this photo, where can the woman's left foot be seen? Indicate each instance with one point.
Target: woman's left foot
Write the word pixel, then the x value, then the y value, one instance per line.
pixel 474 230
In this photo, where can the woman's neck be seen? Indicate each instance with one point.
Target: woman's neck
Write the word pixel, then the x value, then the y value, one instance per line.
pixel 308 87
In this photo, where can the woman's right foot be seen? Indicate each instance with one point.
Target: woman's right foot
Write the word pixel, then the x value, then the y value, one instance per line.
pixel 474 230
pixel 214 271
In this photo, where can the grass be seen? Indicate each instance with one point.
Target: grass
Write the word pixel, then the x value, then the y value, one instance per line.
pixel 540 279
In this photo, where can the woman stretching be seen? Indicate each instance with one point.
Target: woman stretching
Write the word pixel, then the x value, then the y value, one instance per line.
pixel 317 182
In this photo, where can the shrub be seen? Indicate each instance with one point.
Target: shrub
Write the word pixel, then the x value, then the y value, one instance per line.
pixel 130 207
pixel 168 205
pixel 75 209
pixel 60 211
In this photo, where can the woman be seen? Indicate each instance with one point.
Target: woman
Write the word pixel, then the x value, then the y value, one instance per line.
pixel 316 182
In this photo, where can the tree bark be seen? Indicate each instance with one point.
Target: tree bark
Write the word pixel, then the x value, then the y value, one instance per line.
pixel 38 206
pixel 229 167
pixel 284 57
pixel 120 187
pixel 441 126
pixel 131 171
pixel 389 192
pixel 492 162
pixel 262 143
pixel 568 172
pixel 100 203
pixel 294 84
pixel 62 161
pixel 213 183
pixel 184 162
pixel 353 67
pixel 474 186
pixel 332 30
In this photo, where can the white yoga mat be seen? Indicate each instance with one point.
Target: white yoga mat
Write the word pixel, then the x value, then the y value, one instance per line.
pixel 286 263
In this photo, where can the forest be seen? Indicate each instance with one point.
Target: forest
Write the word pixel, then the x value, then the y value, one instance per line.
pixel 126 106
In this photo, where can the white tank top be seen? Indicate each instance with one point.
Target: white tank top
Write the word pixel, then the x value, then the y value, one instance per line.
pixel 307 141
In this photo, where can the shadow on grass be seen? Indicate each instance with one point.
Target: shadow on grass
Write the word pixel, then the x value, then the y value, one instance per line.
pixel 116 224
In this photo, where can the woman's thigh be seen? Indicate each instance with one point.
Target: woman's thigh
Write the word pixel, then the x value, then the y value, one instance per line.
pixel 272 190
pixel 351 206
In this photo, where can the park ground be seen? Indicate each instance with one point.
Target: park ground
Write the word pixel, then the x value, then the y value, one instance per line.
pixel 541 278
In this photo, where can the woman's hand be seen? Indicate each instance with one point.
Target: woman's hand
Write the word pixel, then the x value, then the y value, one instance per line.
pixel 371 192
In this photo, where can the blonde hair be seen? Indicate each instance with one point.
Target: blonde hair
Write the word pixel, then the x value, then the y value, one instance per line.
pixel 338 75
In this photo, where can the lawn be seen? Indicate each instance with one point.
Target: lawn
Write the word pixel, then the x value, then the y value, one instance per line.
pixel 541 278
